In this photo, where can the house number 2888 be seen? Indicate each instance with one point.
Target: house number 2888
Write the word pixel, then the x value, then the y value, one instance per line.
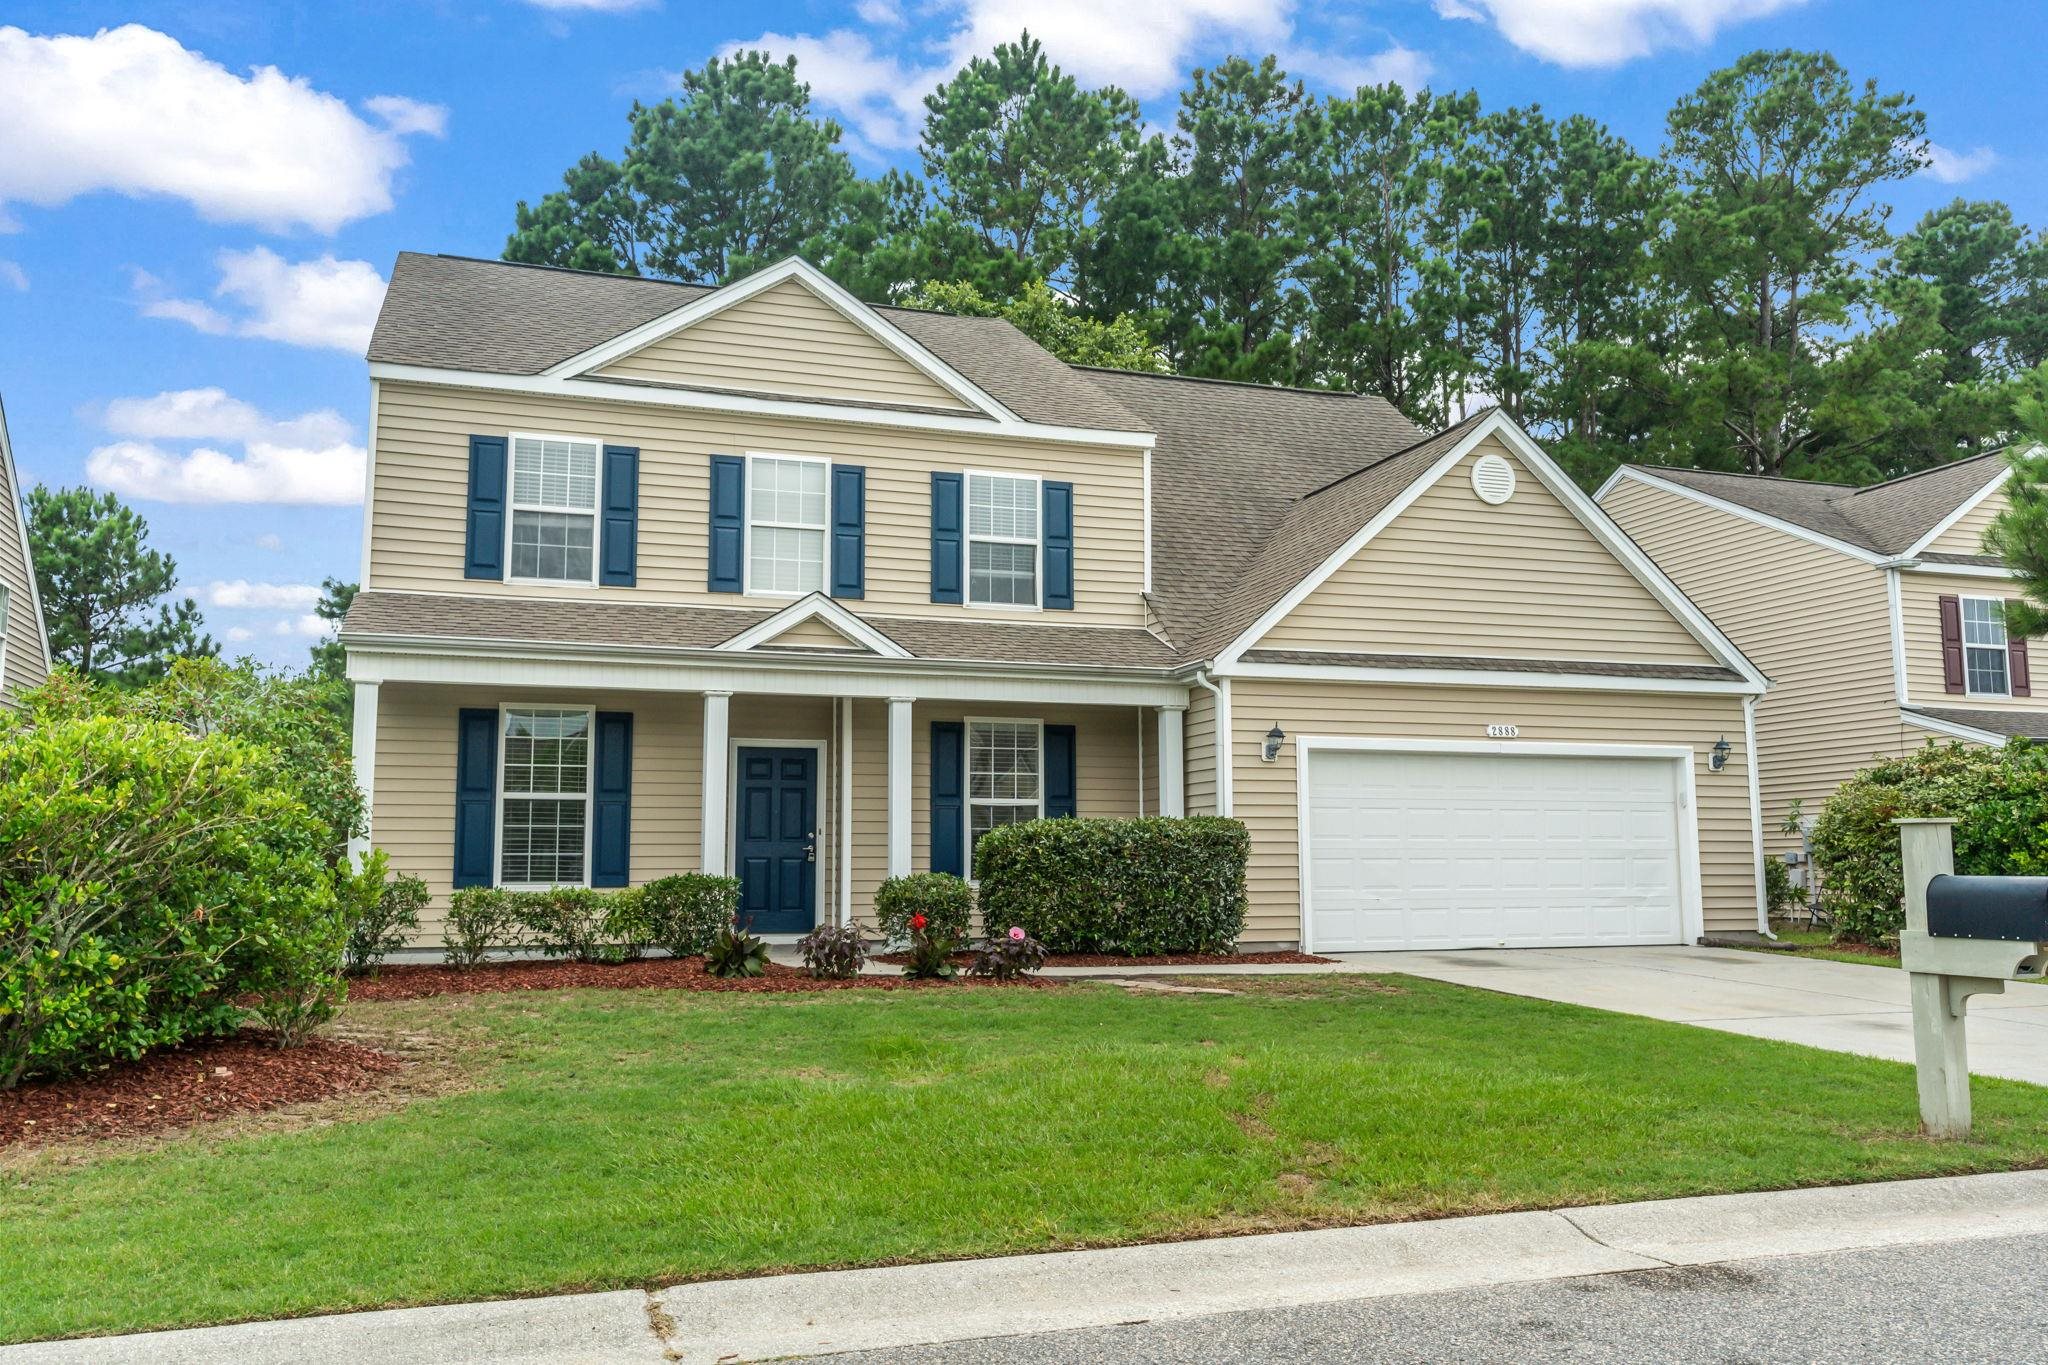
pixel 1503 731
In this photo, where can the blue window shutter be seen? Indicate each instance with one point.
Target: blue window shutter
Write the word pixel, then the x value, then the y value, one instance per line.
pixel 484 556
pixel 849 531
pixel 1059 545
pixel 728 522
pixel 619 557
pixel 1061 798
pixel 611 834
pixel 949 795
pixel 947 527
pixel 476 796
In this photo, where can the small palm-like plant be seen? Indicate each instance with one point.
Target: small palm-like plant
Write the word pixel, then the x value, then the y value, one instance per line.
pixel 735 952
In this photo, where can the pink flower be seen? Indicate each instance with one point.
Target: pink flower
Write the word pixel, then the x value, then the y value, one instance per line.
pixel 1016 934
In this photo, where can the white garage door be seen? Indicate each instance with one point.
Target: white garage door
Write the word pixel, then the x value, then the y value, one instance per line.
pixel 1437 850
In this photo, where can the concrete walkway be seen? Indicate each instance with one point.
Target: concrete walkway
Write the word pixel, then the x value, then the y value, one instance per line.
pixel 902 1306
pixel 1842 1006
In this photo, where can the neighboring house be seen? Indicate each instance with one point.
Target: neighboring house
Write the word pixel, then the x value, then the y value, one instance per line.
pixel 24 642
pixel 659 577
pixel 1875 611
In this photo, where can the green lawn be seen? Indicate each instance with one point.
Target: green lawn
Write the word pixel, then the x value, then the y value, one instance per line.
pixel 1819 943
pixel 624 1138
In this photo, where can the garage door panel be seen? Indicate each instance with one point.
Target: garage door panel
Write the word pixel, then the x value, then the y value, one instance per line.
pixel 1421 850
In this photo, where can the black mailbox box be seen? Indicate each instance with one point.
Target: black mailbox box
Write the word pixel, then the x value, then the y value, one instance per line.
pixel 2011 909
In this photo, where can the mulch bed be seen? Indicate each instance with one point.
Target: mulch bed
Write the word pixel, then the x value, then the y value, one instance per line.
pixel 1156 960
pixel 663 973
pixel 188 1084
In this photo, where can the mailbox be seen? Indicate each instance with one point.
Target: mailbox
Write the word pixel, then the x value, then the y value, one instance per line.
pixel 2007 909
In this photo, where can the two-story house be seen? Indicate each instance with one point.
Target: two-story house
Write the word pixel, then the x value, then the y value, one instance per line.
pixel 762 579
pixel 24 638
pixel 1876 611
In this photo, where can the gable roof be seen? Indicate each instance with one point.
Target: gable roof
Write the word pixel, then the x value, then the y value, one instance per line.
pixel 10 484
pixel 1887 519
pixel 498 317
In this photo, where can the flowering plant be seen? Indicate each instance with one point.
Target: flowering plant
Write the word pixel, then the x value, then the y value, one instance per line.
pixel 931 951
pixel 1007 957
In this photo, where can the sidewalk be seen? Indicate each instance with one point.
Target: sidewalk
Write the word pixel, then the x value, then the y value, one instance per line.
pixel 836 1311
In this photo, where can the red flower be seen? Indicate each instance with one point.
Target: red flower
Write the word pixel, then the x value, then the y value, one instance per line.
pixel 917 922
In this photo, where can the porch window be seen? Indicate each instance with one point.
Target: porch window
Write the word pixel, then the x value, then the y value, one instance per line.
pixel 1984 646
pixel 545 810
pixel 787 507
pixel 1002 540
pixel 554 509
pixel 1005 784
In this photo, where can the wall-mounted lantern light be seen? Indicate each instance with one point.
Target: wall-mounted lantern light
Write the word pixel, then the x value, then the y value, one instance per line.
pixel 1717 757
pixel 1275 737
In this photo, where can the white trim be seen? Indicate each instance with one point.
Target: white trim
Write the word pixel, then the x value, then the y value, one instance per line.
pixel 1756 813
pixel 583 390
pixel 1139 712
pixel 967 797
pixel 1969 505
pixel 1226 751
pixel 1998 571
pixel 967 539
pixel 1740 512
pixel 513 509
pixel 370 488
pixel 843 754
pixel 2003 651
pixel 363 758
pixel 589 781
pixel 823 528
pixel 897 782
pixel 1951 728
pixel 1472 677
pixel 1498 425
pixel 28 560
pixel 793 268
pixel 6 619
pixel 1173 800
pixel 1147 588
pixel 1895 607
pixel 712 841
pixel 819 790
pixel 815 605
pixel 1692 914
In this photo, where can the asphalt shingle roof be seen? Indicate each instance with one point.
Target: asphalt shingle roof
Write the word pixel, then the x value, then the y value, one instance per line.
pixel 2032 724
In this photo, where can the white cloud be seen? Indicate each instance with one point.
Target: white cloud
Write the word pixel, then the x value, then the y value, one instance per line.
pixel 238 634
pixel 1608 32
pixel 13 276
pixel 878 97
pixel 323 302
pixel 1952 167
pixel 881 13
pixel 132 111
pixel 240 592
pixel 270 540
pixel 304 460
pixel 405 117
pixel 307 627
pixel 1398 65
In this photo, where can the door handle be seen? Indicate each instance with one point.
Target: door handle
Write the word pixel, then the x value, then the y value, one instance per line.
pixel 811 850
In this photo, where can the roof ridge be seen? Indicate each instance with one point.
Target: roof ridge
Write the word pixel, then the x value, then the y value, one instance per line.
pixel 1397 454
pixel 1740 474
pixel 1225 383
pixel 1856 490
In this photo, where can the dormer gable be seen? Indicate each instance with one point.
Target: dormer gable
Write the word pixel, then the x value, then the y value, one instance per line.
pixel 815 624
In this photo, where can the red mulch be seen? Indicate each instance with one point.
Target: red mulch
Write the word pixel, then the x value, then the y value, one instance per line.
pixel 1156 960
pixel 662 973
pixel 187 1084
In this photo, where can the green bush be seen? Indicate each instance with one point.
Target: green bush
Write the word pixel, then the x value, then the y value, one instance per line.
pixel 567 921
pixel 149 876
pixel 735 952
pixel 946 902
pixel 1780 895
pixel 1118 886
pixel 1999 796
pixel 385 921
pixel 295 978
pixel 479 919
pixel 686 912
pixel 833 952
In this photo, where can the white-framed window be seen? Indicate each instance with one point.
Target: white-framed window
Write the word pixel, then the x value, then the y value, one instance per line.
pixel 1985 663
pixel 1005 776
pixel 1002 540
pixel 788 511
pixel 552 532
pixel 544 756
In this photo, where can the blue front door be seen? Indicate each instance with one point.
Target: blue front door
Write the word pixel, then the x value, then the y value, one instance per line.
pixel 777 852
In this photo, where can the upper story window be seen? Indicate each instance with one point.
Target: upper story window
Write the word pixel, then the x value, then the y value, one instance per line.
pixel 1985 661
pixel 544 816
pixel 554 509
pixel 1004 776
pixel 1002 540
pixel 787 511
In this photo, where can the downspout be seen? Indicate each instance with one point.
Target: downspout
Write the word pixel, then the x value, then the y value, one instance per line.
pixel 1756 814
pixel 1221 743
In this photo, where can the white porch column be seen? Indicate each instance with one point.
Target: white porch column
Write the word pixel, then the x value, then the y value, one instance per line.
pixel 363 750
pixel 713 857
pixel 899 786
pixel 1171 768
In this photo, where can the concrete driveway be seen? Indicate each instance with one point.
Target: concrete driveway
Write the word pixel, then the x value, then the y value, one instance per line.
pixel 1842 1006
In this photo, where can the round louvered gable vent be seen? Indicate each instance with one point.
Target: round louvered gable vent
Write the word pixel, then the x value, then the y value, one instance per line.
pixel 1493 479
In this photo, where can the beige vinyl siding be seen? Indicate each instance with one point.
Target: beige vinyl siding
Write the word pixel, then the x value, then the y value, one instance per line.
pixel 1920 614
pixel 24 664
pixel 1198 745
pixel 422 464
pixel 811 634
pixel 1264 795
pixel 1966 537
pixel 1818 625
pixel 786 341
pixel 1452 575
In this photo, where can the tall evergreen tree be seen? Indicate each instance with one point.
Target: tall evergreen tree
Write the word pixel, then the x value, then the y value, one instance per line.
pixel 1505 217
pixel 105 592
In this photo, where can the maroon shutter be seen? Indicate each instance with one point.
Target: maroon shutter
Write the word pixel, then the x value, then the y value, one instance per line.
pixel 2016 655
pixel 1951 644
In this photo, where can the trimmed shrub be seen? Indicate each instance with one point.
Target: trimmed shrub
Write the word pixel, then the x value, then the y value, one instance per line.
pixel 833 952
pixel 946 902
pixel 685 913
pixel 296 978
pixel 1118 886
pixel 385 921
pixel 567 921
pixel 479 919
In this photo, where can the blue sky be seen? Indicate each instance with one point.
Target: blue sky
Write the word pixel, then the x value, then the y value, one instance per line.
pixel 199 202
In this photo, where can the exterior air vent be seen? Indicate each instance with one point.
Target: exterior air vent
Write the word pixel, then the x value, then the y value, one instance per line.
pixel 1493 479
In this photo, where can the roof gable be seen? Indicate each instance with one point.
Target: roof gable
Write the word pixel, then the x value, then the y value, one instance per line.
pixel 816 622
pixel 27 639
